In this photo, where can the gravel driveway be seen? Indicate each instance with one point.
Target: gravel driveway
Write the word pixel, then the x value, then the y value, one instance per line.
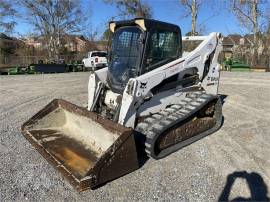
pixel 233 162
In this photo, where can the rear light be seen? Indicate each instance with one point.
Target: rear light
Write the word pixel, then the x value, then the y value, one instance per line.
pixel 96 59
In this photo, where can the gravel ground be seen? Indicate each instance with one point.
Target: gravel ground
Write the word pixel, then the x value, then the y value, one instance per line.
pixel 198 172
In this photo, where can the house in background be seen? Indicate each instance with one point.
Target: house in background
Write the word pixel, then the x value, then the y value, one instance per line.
pixel 75 43
pixel 8 46
pixel 36 42
pixel 235 45
pixel 71 43
pixel 7 41
pixel 102 45
pixel 230 43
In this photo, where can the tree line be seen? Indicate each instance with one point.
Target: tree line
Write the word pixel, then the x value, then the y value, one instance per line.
pixel 52 19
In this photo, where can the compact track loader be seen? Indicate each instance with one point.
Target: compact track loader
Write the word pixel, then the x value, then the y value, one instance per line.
pixel 152 100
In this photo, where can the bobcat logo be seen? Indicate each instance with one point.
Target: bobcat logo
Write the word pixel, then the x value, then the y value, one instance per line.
pixel 143 85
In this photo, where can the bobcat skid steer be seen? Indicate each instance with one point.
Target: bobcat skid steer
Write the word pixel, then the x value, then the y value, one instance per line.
pixel 151 98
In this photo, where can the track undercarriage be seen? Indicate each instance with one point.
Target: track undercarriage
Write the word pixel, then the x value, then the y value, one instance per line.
pixel 195 117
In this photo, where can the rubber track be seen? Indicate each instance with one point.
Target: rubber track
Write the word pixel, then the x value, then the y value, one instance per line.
pixel 153 126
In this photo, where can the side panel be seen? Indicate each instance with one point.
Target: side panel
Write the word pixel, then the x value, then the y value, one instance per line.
pixel 211 81
pixel 94 78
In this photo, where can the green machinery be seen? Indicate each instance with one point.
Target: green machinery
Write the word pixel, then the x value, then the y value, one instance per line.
pixel 75 66
pixel 235 65
pixel 22 70
pixel 16 70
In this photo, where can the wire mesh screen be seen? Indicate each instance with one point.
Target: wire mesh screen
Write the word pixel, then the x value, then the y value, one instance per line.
pixel 125 56
pixel 127 44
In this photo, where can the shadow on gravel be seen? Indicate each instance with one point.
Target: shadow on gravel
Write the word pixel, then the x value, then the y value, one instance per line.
pixel 256 184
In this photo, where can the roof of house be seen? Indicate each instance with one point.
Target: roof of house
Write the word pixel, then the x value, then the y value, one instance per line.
pixel 232 39
pixel 227 41
pixel 74 37
pixel 236 39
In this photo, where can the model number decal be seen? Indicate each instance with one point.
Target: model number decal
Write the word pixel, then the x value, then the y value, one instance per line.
pixel 212 79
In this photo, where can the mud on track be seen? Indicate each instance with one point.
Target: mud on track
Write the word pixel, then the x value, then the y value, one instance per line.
pixel 196 173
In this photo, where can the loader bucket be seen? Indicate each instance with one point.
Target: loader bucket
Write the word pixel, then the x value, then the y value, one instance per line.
pixel 86 148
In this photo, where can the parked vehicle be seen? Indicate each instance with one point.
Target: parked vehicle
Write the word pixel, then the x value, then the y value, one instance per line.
pixel 95 60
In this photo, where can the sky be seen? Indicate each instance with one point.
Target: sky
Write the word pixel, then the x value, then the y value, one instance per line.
pixel 215 18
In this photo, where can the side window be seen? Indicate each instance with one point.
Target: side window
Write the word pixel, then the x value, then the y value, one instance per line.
pixel 162 48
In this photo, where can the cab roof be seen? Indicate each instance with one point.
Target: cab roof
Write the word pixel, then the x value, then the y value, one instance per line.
pixel 145 24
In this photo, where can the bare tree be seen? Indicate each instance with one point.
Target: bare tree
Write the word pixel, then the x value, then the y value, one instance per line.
pixel 191 8
pixel 6 13
pixel 248 13
pixel 132 8
pixel 53 19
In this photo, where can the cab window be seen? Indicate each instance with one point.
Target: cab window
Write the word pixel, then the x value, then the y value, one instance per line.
pixel 163 47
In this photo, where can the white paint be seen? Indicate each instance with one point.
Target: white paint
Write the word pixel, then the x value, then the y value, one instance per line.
pixel 82 129
pixel 110 99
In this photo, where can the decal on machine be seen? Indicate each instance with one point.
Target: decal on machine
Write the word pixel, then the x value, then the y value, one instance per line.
pixel 212 78
pixel 210 45
pixel 143 85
